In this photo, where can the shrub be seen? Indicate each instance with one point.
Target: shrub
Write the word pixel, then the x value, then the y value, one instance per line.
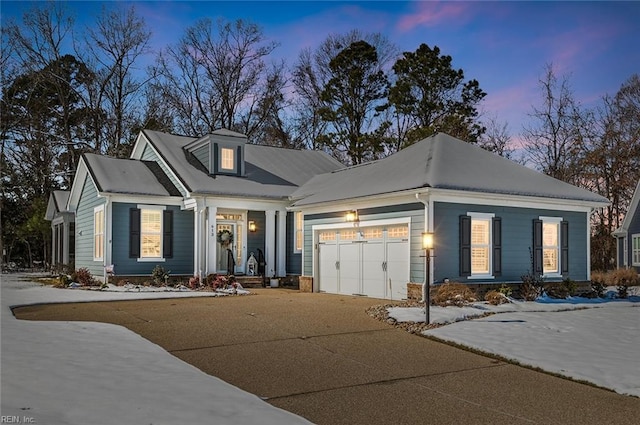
pixel 160 275
pixel 622 279
pixel 531 287
pixel 456 294
pixel 505 290
pixel 83 276
pixel 599 283
pixel 494 297
pixel 194 282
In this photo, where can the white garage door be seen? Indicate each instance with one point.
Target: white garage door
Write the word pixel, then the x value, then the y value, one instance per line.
pixel 371 261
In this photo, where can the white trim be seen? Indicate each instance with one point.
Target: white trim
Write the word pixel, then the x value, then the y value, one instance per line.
pixel 295 232
pixel 557 221
pixel 147 199
pixel 489 218
pixel 635 263
pixel 451 196
pixel 147 207
pixel 96 210
pixel 342 225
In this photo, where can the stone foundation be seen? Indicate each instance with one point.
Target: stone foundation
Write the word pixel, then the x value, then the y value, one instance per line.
pixel 306 283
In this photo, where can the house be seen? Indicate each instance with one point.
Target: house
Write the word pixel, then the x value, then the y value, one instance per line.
pixel 628 235
pixel 204 205
pixel 194 205
pixel 493 220
pixel 62 229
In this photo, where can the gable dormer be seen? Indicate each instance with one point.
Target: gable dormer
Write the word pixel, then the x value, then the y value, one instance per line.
pixel 221 152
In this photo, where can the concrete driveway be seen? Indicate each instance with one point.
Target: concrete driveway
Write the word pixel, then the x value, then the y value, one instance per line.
pixel 321 357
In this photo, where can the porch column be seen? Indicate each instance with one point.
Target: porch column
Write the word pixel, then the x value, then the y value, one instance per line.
pixel 65 241
pixel 212 244
pixel 198 236
pixel 54 245
pixel 270 242
pixel 282 243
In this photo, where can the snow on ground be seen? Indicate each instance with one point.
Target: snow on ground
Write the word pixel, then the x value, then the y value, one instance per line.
pixel 80 372
pixel 594 340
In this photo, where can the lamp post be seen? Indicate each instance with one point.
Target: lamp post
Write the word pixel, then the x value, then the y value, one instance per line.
pixel 427 245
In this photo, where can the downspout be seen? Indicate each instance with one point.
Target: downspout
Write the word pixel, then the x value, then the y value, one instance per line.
pixel 427 227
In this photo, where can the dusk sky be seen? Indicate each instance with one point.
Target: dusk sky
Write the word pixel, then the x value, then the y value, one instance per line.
pixel 504 45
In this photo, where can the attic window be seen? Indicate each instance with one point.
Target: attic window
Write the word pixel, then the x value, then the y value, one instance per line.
pixel 227 160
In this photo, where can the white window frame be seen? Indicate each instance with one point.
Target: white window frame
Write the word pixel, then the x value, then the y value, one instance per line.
pixel 98 231
pixel 298 232
pixel 635 251
pixel 159 208
pixel 625 251
pixel 557 222
pixel 224 159
pixel 484 217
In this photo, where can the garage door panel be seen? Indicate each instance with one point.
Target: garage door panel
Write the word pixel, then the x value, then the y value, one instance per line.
pixel 373 282
pixel 398 268
pixel 328 279
pixel 349 282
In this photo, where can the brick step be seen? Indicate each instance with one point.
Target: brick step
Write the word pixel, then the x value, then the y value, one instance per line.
pixel 250 281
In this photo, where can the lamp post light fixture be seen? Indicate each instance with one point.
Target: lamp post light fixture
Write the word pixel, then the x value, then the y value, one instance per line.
pixel 427 245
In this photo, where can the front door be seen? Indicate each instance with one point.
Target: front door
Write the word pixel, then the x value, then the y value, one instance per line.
pixel 229 236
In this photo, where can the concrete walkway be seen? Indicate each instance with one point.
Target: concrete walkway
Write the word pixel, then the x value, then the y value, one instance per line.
pixel 321 357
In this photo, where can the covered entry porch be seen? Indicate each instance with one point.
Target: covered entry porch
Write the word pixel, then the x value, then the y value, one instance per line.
pixel 228 233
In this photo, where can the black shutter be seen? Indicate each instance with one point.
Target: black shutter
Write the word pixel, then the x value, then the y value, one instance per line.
pixel 134 233
pixel 564 247
pixel 216 159
pixel 497 246
pixel 167 233
pixel 239 161
pixel 465 245
pixel 537 248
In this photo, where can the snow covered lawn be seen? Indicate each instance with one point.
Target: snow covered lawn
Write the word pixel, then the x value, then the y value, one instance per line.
pixel 591 340
pixel 95 373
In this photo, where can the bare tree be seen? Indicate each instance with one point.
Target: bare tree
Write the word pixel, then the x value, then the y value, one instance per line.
pixel 115 45
pixel 553 141
pixel 214 79
pixel 497 139
pixel 612 165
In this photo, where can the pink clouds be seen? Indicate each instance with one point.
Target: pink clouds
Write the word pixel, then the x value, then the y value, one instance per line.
pixel 430 14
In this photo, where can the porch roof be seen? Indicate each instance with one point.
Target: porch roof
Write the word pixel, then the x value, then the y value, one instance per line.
pixel 442 162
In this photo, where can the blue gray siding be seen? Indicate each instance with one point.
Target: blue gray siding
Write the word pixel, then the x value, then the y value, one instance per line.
pixel 255 240
pixel 517 234
pixel 180 264
pixel 149 155
pixel 202 154
pixel 634 229
pixel 84 228
pixel 294 259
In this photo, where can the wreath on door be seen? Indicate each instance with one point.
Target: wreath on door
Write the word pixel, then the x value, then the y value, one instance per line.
pixel 225 237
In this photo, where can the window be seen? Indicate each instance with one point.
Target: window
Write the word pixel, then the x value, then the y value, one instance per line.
pixel 227 159
pixel 635 249
pixel 298 231
pixel 398 232
pixel 551 246
pixel 150 233
pixel 480 245
pixel 329 235
pixel 98 233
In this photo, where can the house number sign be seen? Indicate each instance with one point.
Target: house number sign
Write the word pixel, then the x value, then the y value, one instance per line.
pixel 213 230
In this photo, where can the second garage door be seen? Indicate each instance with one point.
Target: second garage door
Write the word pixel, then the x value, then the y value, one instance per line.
pixel 371 261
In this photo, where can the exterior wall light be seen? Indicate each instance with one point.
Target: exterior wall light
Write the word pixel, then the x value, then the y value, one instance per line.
pixel 252 226
pixel 352 216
